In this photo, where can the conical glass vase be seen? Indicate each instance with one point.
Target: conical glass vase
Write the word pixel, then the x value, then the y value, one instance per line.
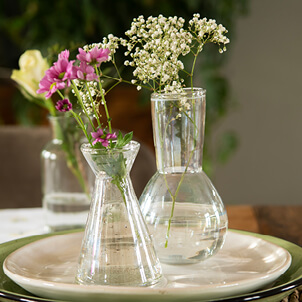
pixel 117 248
pixel 183 210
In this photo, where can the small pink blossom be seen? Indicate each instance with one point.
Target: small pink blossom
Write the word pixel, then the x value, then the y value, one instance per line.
pixel 94 56
pixel 63 105
pixel 101 137
pixel 111 136
pixel 86 72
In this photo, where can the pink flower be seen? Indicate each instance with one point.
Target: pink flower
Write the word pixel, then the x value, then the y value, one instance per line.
pixel 86 72
pixel 94 56
pixel 64 54
pixel 62 71
pixel 63 105
pixel 58 76
pixel 48 85
pixel 101 137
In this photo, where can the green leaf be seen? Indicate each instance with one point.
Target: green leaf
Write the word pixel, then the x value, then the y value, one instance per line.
pixel 123 141
pixel 119 136
pixel 128 137
pixel 119 140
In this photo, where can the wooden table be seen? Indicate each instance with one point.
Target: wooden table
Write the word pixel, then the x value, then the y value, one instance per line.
pixel 280 221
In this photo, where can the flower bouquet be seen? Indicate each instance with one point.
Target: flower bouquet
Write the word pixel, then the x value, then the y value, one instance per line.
pixel 117 248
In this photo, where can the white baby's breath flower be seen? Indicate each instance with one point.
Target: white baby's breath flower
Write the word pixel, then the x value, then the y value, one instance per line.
pixel 156 44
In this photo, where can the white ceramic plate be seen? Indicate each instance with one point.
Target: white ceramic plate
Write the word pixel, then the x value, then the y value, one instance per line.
pixel 47 268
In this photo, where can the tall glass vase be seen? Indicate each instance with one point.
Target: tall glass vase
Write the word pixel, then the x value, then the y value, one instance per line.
pixel 183 211
pixel 117 248
pixel 66 177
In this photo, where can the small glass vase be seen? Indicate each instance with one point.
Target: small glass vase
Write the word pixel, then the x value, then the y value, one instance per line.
pixel 117 248
pixel 183 211
pixel 66 177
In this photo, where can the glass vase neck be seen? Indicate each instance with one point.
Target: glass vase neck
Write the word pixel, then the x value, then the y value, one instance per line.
pixel 111 162
pixel 178 130
pixel 60 125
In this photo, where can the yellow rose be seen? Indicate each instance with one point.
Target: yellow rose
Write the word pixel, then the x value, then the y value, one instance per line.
pixel 32 69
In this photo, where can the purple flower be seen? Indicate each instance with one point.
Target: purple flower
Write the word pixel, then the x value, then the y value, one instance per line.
pixel 94 56
pixel 63 105
pixel 86 72
pixel 101 137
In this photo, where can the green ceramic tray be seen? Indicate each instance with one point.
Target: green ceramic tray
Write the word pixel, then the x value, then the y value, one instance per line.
pixel 282 287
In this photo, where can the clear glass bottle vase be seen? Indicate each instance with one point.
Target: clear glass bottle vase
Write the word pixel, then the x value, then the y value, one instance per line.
pixel 183 211
pixel 117 248
pixel 66 177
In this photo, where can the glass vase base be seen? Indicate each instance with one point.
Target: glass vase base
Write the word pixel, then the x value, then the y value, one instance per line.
pixel 197 228
pixel 191 237
pixel 122 276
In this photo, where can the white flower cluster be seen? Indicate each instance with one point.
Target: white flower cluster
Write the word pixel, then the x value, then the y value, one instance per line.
pixel 88 94
pixel 155 45
pixel 205 31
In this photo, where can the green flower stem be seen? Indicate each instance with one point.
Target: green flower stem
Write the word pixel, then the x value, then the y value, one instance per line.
pixel 72 163
pixel 116 68
pixel 40 101
pixel 120 80
pixel 81 103
pixel 107 113
pixel 50 106
pixel 93 106
pixel 192 70
pixel 118 181
pixel 75 169
pixel 175 196
pixel 78 119
pixel 82 126
pixel 104 100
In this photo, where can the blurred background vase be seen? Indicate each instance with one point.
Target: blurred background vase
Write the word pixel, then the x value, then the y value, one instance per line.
pixel 183 210
pixel 117 248
pixel 66 177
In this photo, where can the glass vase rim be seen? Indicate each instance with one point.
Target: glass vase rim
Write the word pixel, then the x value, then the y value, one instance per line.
pixel 131 146
pixel 188 92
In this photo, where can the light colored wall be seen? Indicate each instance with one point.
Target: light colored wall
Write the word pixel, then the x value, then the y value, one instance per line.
pixel 264 68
